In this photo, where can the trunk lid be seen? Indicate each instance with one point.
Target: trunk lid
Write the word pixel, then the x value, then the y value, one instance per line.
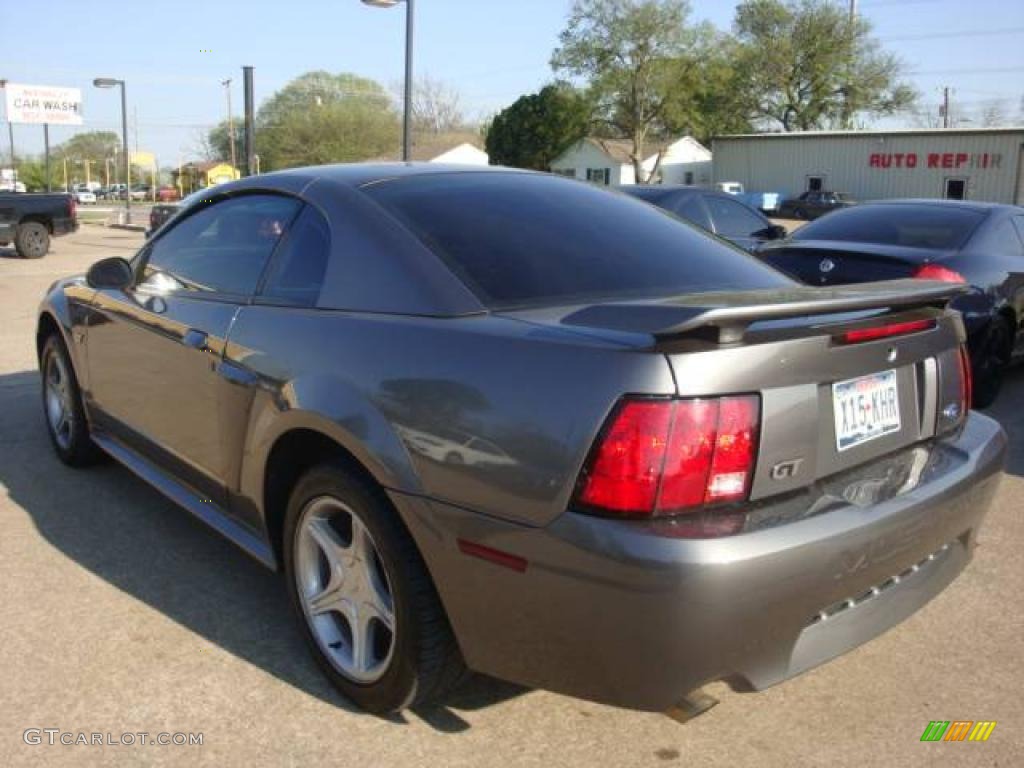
pixel 834 262
pixel 791 348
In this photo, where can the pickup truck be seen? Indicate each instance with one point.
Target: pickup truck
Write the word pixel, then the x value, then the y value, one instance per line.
pixel 30 220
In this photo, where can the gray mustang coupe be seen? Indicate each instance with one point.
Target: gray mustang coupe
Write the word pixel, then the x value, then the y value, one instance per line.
pixel 508 422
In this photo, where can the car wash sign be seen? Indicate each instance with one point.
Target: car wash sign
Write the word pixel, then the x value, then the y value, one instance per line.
pixel 43 104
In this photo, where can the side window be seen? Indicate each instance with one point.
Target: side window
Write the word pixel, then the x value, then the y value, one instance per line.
pixel 733 219
pixel 692 209
pixel 1018 222
pixel 297 271
pixel 221 248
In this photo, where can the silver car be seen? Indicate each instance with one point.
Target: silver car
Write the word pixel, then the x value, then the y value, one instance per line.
pixel 508 422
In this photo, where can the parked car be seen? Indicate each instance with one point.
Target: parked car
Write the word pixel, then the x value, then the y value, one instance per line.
pixel 141 192
pixel 168 194
pixel 703 470
pixel 717 212
pixel 114 192
pixel 29 220
pixel 160 213
pixel 811 205
pixel 12 186
pixel 975 244
pixel 83 196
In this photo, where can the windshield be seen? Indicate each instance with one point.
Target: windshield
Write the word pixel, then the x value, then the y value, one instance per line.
pixel 519 239
pixel 924 226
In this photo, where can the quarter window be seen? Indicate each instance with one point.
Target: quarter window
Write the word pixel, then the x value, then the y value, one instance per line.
pixel 732 219
pixel 221 248
pixel 297 271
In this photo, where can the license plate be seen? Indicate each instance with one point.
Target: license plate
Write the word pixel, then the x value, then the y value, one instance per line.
pixel 865 408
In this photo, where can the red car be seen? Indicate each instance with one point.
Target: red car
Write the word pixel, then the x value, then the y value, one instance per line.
pixel 168 194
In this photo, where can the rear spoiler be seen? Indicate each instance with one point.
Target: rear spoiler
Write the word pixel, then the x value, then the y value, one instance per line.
pixel 725 317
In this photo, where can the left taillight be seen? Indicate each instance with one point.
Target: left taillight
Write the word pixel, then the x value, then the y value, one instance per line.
pixel 72 207
pixel 666 458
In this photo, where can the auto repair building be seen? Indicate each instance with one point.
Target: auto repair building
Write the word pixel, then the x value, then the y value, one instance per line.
pixel 974 164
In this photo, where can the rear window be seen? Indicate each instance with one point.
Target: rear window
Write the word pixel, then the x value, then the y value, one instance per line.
pixel 527 239
pixel 927 226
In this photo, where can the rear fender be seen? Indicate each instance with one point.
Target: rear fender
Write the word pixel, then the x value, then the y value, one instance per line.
pixel 335 409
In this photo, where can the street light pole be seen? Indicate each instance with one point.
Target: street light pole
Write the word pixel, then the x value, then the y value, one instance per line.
pixel 110 82
pixel 231 125
pixel 407 116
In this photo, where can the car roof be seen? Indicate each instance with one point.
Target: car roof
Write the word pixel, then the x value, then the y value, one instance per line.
pixel 680 189
pixel 968 205
pixel 361 174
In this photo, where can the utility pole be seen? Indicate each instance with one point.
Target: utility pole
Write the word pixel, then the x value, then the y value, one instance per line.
pixel 231 123
pixel 853 10
pixel 250 119
pixel 945 106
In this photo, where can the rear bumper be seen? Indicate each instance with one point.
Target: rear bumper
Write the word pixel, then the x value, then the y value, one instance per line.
pixel 614 612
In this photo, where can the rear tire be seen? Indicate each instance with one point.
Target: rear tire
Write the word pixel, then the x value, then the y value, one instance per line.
pixel 62 407
pixel 989 364
pixel 362 594
pixel 32 240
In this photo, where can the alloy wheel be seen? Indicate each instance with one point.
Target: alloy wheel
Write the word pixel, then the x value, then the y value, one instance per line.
pixel 59 411
pixel 344 590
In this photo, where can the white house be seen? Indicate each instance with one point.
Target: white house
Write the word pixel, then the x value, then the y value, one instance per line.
pixel 608 162
pixel 463 154
pixel 684 161
pixel 601 161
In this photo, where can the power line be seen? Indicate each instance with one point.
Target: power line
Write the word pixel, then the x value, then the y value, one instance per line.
pixel 947 35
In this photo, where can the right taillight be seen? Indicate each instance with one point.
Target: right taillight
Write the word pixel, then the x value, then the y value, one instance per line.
pixel 936 272
pixel 966 381
pixel 660 458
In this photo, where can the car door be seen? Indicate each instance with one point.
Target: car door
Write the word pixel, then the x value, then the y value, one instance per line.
pixel 157 378
pixel 735 221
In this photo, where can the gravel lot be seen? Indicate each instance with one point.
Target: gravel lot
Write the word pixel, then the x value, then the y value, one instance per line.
pixel 120 613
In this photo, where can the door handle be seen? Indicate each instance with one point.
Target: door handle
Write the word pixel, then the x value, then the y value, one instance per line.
pixel 195 339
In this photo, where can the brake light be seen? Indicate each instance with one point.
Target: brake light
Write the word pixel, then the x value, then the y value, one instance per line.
pixel 152 219
pixel 966 381
pixel 669 457
pixel 936 272
pixel 861 335
pixel 72 207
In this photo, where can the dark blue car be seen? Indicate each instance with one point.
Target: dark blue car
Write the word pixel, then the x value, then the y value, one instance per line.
pixel 981 244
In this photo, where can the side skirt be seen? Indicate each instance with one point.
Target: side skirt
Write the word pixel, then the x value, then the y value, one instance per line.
pixel 182 495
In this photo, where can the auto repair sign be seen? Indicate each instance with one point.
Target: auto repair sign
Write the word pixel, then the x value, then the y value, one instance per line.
pixel 43 104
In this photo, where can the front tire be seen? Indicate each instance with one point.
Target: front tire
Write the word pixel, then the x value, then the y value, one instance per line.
pixel 362 594
pixel 32 240
pixel 62 407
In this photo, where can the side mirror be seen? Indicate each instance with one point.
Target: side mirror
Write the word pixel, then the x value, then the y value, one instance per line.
pixel 114 272
pixel 773 232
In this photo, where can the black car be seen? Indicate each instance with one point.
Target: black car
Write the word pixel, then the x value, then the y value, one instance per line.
pixel 716 212
pixel 813 204
pixel 160 213
pixel 981 244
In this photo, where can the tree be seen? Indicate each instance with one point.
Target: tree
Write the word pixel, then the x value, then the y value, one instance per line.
pixel 634 55
pixel 436 107
pixel 218 141
pixel 324 118
pixel 993 113
pixel 707 99
pixel 807 65
pixel 537 128
pixel 93 147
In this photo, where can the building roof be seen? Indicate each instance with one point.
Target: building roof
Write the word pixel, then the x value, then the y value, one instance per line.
pixel 896 132
pixel 428 146
pixel 206 165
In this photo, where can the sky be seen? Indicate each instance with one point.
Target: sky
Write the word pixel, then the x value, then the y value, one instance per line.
pixel 174 55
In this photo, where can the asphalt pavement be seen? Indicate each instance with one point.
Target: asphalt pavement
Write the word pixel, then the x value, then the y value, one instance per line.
pixel 120 614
